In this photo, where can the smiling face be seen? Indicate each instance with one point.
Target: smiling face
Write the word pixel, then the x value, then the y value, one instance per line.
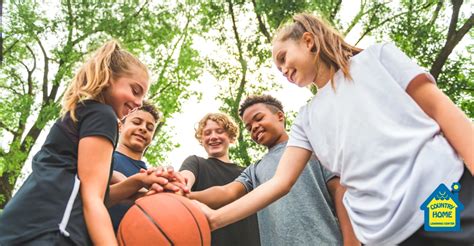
pixel 215 139
pixel 265 127
pixel 137 131
pixel 127 92
pixel 295 60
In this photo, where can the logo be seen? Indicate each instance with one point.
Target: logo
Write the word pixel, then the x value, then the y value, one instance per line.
pixel 442 209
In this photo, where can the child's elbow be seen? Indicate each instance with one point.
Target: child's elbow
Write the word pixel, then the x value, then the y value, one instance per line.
pixel 284 187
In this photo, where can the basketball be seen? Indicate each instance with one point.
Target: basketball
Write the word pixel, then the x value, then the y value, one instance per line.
pixel 164 219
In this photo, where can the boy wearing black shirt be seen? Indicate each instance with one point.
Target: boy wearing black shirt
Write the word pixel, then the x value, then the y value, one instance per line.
pixel 216 132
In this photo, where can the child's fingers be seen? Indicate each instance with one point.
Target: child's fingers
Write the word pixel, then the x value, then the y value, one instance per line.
pixel 181 186
pixel 159 171
pixel 180 178
pixel 151 192
pixel 171 187
pixel 156 187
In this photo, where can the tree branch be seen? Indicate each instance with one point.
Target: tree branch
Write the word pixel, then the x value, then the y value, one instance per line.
pixel 335 10
pixel 5 127
pixel 235 105
pixel 436 12
pixel 454 17
pixel 451 42
pixel 170 56
pixel 45 72
pixel 370 29
pixel 243 63
pixel 30 79
pixel 10 47
pixel 261 24
pixel 357 17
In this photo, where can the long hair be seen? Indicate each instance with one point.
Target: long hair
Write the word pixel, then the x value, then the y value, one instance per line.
pixel 108 63
pixel 329 45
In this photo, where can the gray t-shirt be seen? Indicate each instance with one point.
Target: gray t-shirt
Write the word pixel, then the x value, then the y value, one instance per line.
pixel 304 216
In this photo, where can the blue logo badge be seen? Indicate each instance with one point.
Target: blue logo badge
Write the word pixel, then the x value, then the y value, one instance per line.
pixel 442 209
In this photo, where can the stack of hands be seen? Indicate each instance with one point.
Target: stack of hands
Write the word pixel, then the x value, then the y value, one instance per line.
pixel 155 180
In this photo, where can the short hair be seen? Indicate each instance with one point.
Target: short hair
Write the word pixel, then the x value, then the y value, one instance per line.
pixel 150 108
pixel 272 103
pixel 223 120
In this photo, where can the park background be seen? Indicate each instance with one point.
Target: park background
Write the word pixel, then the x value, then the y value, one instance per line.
pixel 204 56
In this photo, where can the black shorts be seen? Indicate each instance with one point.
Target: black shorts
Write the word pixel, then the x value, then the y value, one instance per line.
pixel 463 237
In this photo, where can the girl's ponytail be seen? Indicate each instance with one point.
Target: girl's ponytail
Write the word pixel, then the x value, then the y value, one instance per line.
pixel 108 62
pixel 329 45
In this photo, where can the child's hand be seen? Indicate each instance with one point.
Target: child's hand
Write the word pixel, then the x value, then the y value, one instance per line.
pixel 174 177
pixel 208 212
pixel 176 182
pixel 152 181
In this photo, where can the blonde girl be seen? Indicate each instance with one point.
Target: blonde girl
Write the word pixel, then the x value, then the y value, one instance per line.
pixel 62 201
pixel 380 123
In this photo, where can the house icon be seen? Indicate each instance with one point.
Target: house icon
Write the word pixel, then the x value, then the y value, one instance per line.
pixel 442 209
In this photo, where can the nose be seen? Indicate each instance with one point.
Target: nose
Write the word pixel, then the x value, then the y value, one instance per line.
pixel 254 127
pixel 142 128
pixel 285 71
pixel 138 102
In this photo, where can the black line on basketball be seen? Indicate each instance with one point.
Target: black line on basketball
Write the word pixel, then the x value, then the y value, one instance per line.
pixel 195 220
pixel 156 224
pixel 121 235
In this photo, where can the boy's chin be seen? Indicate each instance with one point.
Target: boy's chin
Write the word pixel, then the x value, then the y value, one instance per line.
pixel 138 148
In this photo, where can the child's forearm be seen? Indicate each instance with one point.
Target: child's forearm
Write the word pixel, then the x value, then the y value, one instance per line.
pixel 337 192
pixel 249 204
pixel 218 196
pixel 291 165
pixel 456 127
pixel 98 223
pixel 458 130
pixel 123 190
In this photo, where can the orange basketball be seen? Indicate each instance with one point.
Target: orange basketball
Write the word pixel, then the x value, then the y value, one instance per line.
pixel 164 219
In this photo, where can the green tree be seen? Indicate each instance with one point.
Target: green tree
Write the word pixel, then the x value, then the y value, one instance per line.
pixel 431 36
pixel 415 26
pixel 43 47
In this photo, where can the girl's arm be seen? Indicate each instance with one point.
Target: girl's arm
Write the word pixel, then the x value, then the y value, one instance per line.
pixel 94 160
pixel 337 193
pixel 456 127
pixel 290 167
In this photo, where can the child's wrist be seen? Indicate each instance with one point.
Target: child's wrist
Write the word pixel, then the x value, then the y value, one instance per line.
pixel 139 180
pixel 215 220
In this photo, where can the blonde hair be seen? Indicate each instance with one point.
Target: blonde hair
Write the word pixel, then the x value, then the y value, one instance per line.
pixel 329 45
pixel 108 62
pixel 223 120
